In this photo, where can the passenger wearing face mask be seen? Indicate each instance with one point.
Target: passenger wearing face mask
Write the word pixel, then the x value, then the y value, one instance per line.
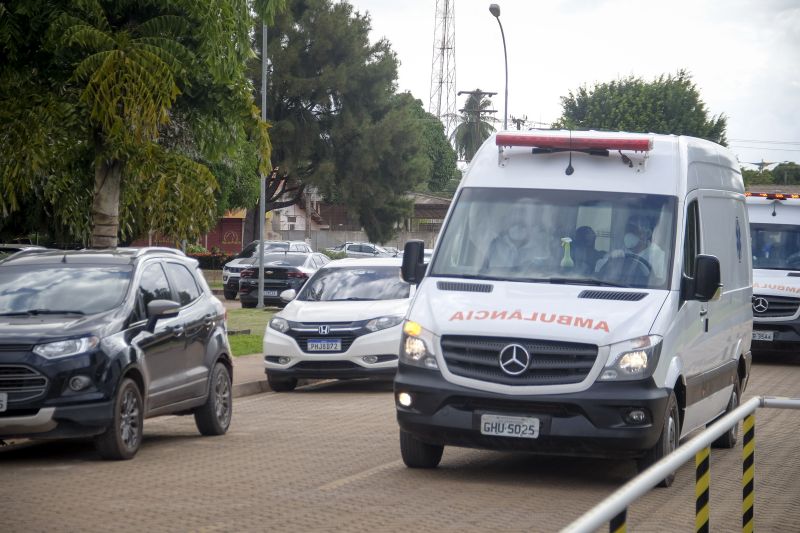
pixel 637 240
pixel 516 246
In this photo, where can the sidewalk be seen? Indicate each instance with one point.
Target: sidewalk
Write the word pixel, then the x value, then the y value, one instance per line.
pixel 248 375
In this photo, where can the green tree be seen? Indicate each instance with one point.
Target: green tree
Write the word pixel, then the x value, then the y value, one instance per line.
pixel 338 123
pixel 474 126
pixel 786 173
pixel 141 105
pixel 438 149
pixel 669 104
pixel 755 177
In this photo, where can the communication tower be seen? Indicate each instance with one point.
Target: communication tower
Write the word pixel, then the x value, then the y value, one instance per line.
pixel 443 67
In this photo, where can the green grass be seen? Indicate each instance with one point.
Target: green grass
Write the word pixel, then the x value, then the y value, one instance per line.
pixel 253 319
pixel 245 344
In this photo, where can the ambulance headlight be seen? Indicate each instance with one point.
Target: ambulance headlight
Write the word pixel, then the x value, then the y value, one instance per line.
pixel 632 359
pixel 415 348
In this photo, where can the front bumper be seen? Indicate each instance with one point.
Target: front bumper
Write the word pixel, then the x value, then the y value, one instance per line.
pixel 785 337
pixel 589 423
pixel 82 420
pixel 348 364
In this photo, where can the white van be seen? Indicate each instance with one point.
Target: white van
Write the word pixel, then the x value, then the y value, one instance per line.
pixel 775 234
pixel 590 294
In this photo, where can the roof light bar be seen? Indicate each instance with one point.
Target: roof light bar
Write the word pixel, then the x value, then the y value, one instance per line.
pixel 772 195
pixel 559 141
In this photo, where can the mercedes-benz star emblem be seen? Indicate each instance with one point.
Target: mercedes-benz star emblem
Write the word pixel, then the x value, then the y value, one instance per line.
pixel 760 305
pixel 324 330
pixel 514 359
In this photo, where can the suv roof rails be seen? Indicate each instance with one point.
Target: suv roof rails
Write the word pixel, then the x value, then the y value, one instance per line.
pixel 138 252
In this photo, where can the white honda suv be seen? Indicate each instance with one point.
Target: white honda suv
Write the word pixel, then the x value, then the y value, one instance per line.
pixel 344 323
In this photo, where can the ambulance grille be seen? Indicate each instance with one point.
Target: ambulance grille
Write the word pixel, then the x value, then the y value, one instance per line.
pixel 777 306
pixel 613 295
pixel 551 362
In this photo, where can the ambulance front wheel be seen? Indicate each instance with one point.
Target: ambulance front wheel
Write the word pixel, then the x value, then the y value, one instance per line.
pixel 418 454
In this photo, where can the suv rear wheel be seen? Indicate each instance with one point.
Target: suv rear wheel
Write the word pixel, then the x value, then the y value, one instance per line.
pixel 230 295
pixel 418 454
pixel 124 436
pixel 214 416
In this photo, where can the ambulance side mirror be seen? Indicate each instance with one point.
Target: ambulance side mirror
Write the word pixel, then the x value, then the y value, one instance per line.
pixel 707 282
pixel 413 269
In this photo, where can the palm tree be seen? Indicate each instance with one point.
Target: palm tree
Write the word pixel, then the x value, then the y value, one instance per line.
pixel 474 125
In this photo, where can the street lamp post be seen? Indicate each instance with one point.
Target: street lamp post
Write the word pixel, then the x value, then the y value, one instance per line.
pixel 262 178
pixel 494 9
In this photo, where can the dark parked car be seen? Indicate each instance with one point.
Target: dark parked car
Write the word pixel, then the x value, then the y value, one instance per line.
pixel 282 271
pixel 232 269
pixel 94 342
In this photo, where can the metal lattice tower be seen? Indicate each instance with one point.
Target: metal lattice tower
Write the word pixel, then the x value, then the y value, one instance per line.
pixel 443 67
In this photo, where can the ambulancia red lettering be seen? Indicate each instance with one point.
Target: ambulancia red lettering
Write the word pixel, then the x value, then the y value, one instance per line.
pixel 534 316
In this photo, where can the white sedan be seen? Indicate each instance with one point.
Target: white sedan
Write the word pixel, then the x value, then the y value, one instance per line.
pixel 344 323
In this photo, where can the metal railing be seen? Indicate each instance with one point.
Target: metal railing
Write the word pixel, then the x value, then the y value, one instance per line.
pixel 613 510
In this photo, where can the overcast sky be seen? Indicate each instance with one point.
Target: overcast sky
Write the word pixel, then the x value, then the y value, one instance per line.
pixel 744 56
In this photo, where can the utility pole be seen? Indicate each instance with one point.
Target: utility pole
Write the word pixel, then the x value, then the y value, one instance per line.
pixel 262 178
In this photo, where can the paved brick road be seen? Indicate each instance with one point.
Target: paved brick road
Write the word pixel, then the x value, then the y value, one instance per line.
pixel 328 459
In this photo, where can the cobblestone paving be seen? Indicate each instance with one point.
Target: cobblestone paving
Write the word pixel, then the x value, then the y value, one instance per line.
pixel 327 459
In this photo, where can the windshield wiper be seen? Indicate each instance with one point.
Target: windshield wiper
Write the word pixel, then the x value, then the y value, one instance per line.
pixel 34 312
pixel 586 281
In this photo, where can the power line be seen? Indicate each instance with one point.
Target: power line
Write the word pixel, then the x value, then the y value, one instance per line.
pixel 764 148
pixel 764 142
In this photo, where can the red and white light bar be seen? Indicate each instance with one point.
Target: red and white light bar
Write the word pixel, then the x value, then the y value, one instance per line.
pixel 773 195
pixel 562 141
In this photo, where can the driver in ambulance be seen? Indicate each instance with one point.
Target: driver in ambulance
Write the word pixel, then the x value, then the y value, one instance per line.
pixel 638 241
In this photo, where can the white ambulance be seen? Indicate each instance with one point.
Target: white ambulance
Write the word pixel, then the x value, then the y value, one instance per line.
pixel 775 235
pixel 589 294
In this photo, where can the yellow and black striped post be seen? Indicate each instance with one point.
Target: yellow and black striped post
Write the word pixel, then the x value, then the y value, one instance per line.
pixel 748 472
pixel 618 524
pixel 702 465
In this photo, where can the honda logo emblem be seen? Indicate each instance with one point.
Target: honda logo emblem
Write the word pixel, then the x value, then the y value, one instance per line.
pixel 324 330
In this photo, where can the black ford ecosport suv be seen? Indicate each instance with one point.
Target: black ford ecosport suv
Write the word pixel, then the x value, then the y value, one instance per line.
pixel 94 342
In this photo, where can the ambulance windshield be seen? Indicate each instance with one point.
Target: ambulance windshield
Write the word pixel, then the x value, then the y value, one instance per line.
pixel 775 246
pixel 559 236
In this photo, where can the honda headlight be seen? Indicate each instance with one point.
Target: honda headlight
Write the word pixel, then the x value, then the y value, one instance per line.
pixel 415 347
pixel 632 359
pixel 54 350
pixel 279 324
pixel 384 322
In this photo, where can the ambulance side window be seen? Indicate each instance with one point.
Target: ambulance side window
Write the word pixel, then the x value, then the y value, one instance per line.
pixel 691 243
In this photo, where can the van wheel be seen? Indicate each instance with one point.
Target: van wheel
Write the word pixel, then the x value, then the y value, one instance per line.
pixel 214 416
pixel 281 384
pixel 667 442
pixel 418 454
pixel 124 435
pixel 728 439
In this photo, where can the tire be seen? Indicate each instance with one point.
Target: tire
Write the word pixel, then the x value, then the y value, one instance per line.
pixel 214 416
pixel 418 454
pixel 123 437
pixel 281 384
pixel 248 305
pixel 667 441
pixel 728 439
pixel 230 295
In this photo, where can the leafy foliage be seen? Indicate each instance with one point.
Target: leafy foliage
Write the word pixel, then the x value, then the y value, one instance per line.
pixel 474 127
pixel 142 106
pixel 786 173
pixel 338 124
pixel 669 104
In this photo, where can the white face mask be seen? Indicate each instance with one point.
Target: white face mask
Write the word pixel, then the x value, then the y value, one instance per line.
pixel 630 240
pixel 516 233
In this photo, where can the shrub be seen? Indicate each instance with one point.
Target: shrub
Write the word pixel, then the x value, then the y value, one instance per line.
pixel 334 255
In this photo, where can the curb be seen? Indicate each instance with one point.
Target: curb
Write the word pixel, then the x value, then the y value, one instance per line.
pixel 250 388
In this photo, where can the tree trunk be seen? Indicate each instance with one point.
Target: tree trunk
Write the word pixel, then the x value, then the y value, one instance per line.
pixel 105 204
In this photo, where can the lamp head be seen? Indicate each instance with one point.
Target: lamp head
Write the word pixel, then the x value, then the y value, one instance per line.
pixel 494 9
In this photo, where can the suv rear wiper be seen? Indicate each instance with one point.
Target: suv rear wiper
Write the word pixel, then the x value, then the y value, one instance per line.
pixel 34 312
pixel 586 281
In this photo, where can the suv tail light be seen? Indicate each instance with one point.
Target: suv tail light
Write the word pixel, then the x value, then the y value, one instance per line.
pixel 248 273
pixel 296 274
